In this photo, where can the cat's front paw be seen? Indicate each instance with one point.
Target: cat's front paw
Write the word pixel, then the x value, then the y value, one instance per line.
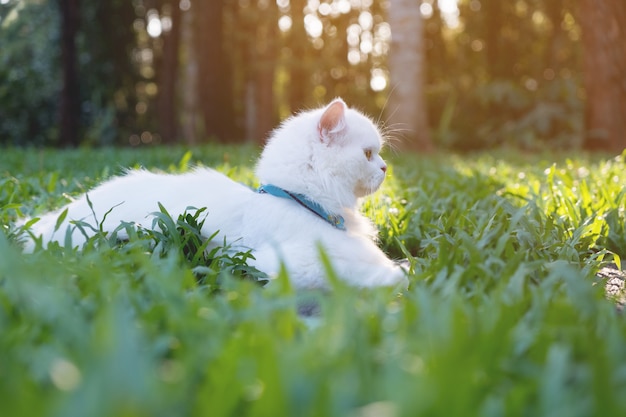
pixel 401 277
pixel 405 264
pixel 396 277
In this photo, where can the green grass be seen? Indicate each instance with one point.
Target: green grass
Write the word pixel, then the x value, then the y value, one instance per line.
pixel 503 315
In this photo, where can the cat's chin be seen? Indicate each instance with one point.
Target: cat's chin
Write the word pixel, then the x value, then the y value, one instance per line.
pixel 365 190
pixel 364 194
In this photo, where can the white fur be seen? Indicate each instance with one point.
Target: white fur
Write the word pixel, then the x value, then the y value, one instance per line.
pixel 320 153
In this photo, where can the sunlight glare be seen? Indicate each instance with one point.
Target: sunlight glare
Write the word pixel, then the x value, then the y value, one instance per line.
pixel 449 12
pixel 312 4
pixel 354 57
pixel 383 31
pixel 166 23
pixel 367 44
pixel 313 25
pixel 378 82
pixel 324 9
pixel 284 23
pixel 427 10
pixel 154 27
pixel 343 6
pixel 366 20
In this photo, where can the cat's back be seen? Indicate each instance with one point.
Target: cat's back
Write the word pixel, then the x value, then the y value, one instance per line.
pixel 134 196
pixel 198 184
pixel 141 189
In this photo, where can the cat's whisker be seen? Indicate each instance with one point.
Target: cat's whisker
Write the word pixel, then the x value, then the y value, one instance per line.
pixel 394 135
pixel 379 120
pixel 394 145
pixel 392 114
pixel 389 131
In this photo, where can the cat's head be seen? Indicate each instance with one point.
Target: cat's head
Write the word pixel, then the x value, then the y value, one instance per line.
pixel 331 154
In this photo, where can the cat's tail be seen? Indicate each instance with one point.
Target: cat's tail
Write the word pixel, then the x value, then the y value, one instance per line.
pixel 41 231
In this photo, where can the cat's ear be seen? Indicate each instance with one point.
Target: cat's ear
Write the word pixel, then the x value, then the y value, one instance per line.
pixel 333 120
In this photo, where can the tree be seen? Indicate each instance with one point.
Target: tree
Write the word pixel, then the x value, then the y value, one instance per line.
pixel 168 74
pixel 407 103
pixel 190 113
pixel 214 68
pixel 497 65
pixel 267 56
pixel 109 72
pixel 298 42
pixel 70 99
pixel 30 77
pixel 604 65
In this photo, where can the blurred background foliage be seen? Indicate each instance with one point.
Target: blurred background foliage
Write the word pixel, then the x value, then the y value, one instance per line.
pixel 164 71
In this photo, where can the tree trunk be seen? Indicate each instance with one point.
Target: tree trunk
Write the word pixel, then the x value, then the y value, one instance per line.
pixel 298 41
pixel 168 120
pixel 407 105
pixel 70 96
pixel 214 74
pixel 496 64
pixel 265 66
pixel 260 46
pixel 604 65
pixel 190 111
pixel 554 11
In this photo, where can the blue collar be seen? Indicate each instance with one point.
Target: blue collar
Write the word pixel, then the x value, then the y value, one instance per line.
pixel 335 220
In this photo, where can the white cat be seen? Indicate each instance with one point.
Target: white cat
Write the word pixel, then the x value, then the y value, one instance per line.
pixel 313 170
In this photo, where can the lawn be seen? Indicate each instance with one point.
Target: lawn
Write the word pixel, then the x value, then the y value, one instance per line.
pixel 504 315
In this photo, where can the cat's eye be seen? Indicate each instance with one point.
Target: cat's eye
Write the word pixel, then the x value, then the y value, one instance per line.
pixel 368 154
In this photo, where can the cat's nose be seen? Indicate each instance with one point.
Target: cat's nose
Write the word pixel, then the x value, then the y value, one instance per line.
pixel 384 168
